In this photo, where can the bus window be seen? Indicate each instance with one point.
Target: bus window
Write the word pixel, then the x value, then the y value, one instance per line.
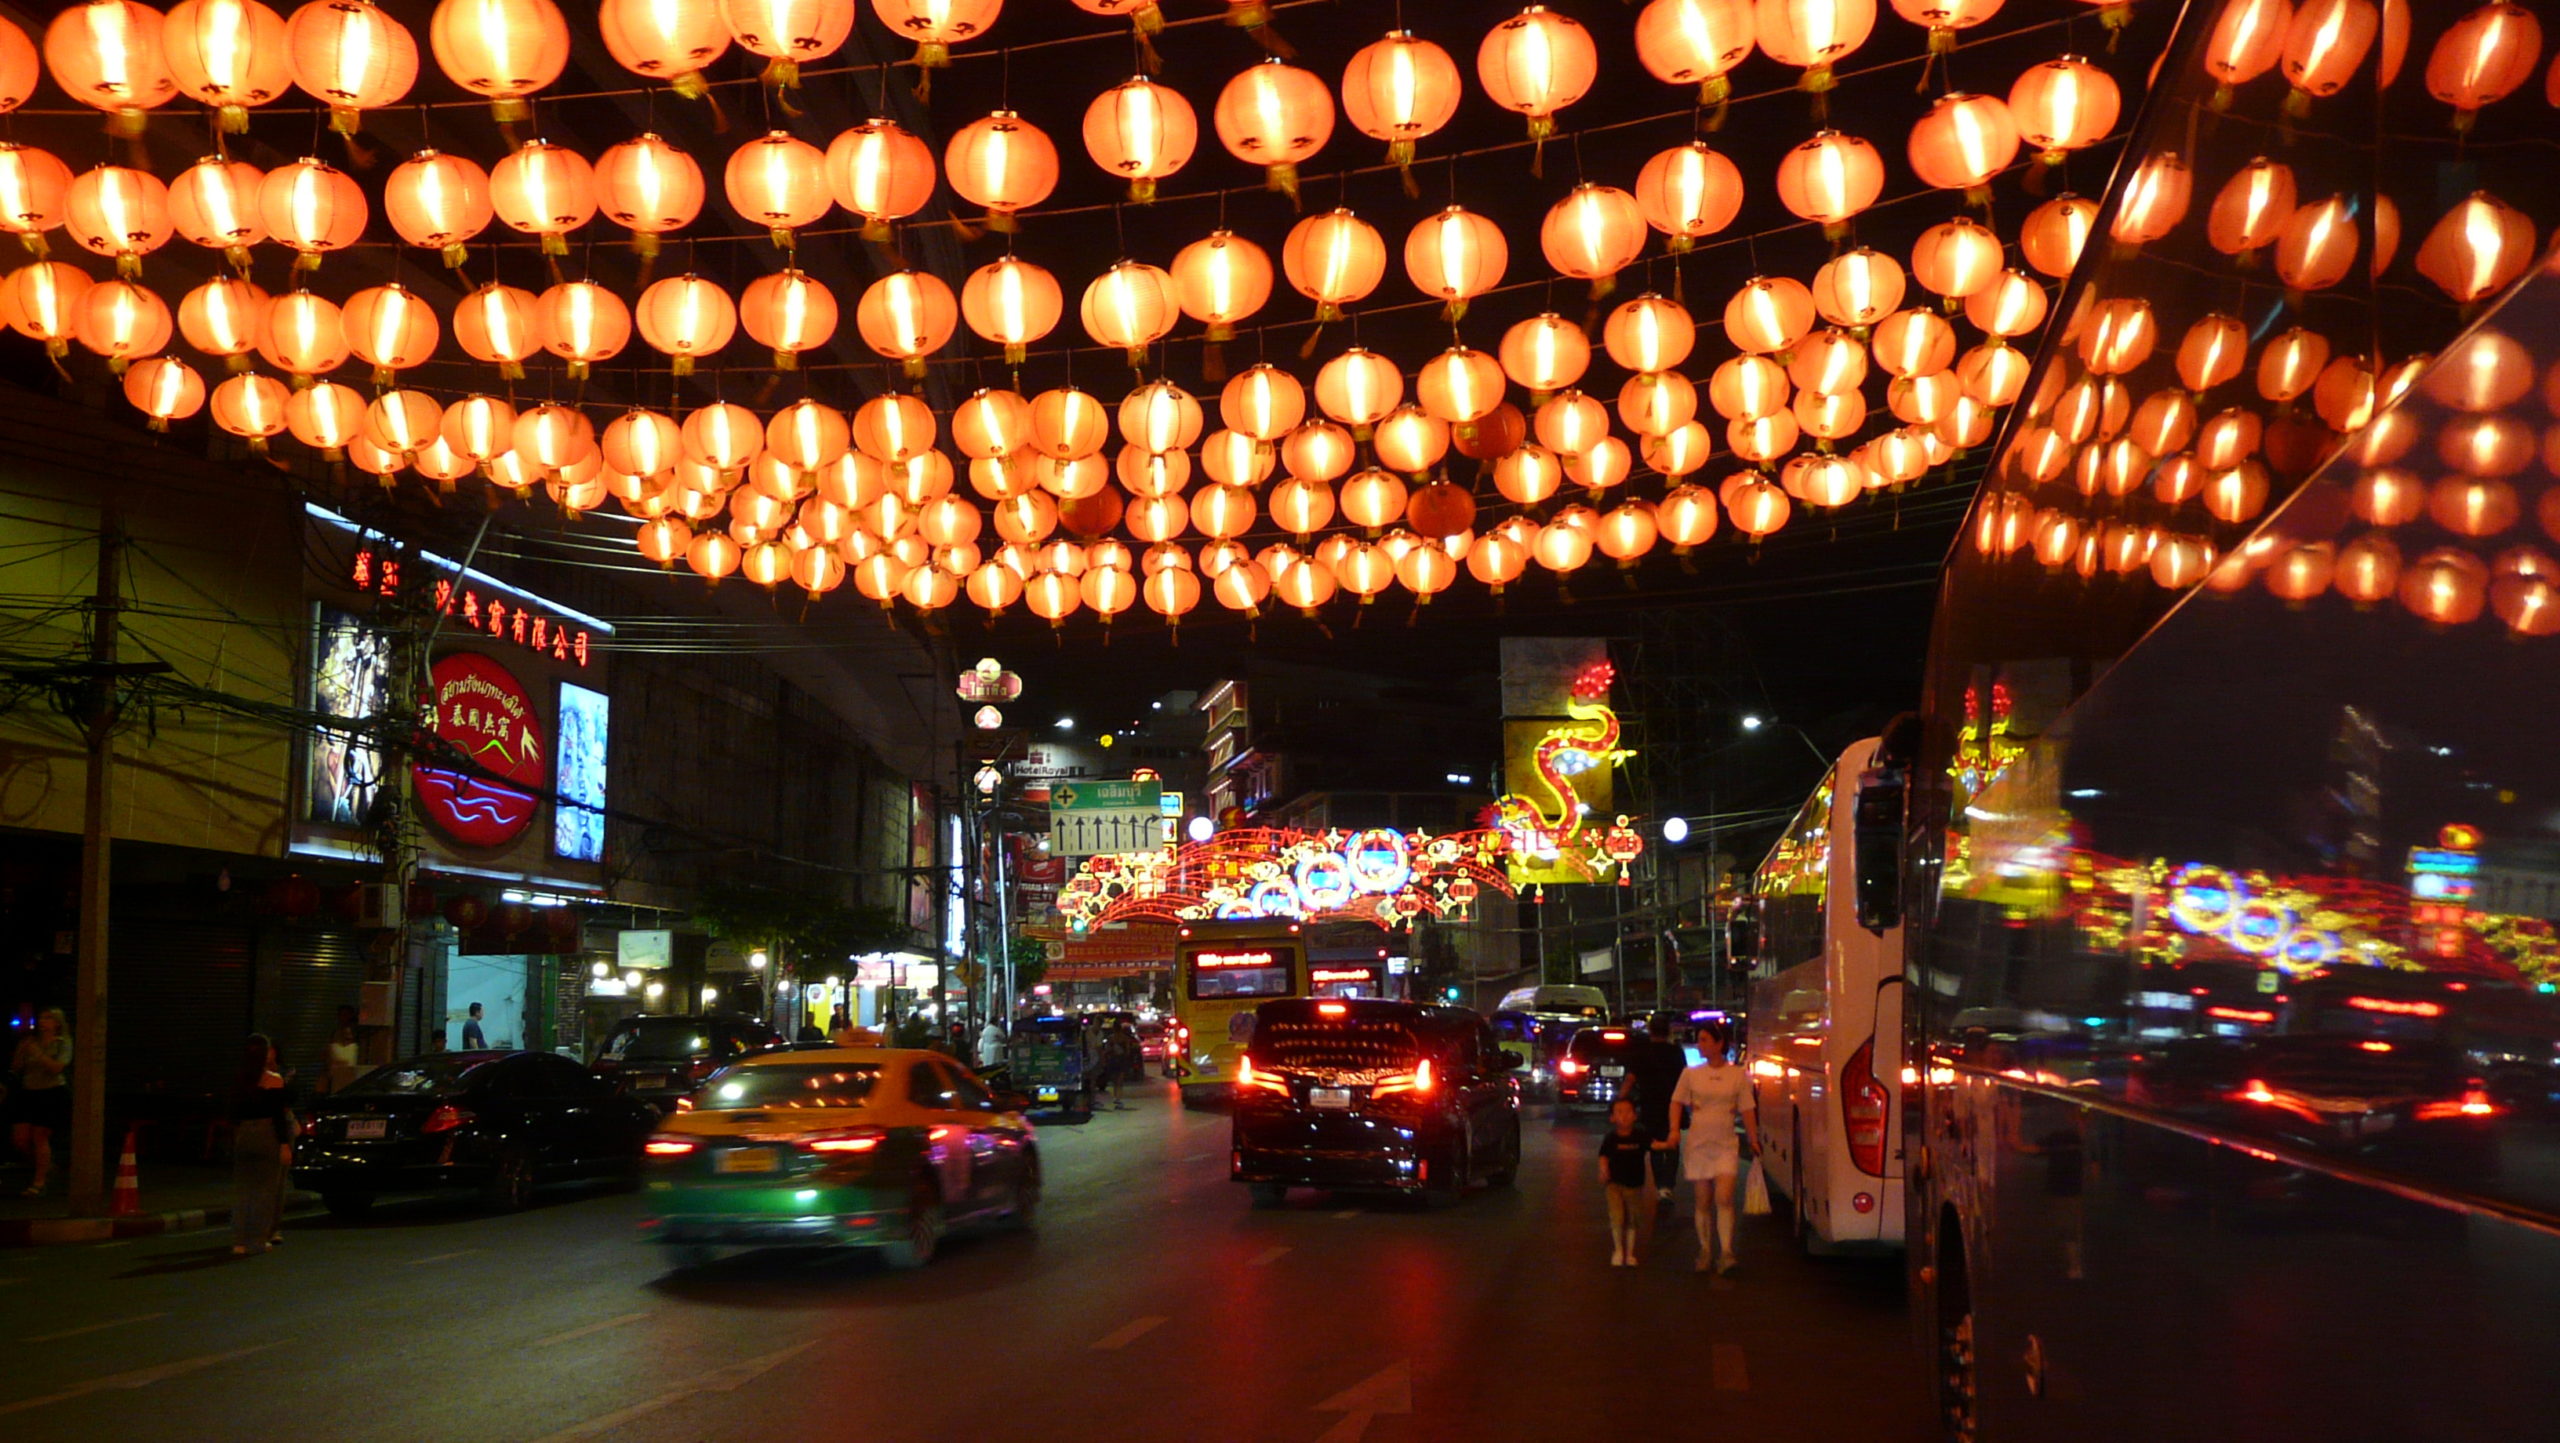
pixel 1246 973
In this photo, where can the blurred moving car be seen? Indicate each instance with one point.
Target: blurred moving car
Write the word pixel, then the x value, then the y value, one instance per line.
pixel 864 1147
pixel 1593 1071
pixel 1363 1093
pixel 659 1059
pixel 1154 1041
pixel 501 1122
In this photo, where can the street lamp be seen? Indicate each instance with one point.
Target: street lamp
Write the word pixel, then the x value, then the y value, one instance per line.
pixel 1675 830
pixel 1202 829
pixel 759 959
pixel 1754 722
pixel 1066 723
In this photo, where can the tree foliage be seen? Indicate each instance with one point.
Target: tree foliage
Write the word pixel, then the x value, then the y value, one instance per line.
pixel 808 925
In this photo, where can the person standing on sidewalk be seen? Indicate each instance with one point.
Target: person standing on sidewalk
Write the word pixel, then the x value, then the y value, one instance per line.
pixel 473 1039
pixel 1655 1070
pixel 261 1146
pixel 41 1101
pixel 1706 1110
pixel 343 1066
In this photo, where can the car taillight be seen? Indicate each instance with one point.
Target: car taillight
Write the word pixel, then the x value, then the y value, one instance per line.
pixel 1418 1082
pixel 663 1146
pixel 1864 1105
pixel 684 1104
pixel 851 1139
pixel 1247 1077
pixel 445 1119
pixel 2475 1103
pixel 1567 1067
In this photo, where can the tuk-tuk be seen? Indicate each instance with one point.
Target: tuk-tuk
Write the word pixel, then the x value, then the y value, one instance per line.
pixel 1054 1061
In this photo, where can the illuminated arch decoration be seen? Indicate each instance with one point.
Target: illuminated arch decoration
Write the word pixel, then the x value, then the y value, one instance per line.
pixel 1568 767
pixel 1376 874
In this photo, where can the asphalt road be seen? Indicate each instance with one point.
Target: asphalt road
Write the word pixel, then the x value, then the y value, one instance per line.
pixel 1152 1303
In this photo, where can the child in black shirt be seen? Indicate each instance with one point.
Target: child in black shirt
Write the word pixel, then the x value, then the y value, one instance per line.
pixel 1623 1153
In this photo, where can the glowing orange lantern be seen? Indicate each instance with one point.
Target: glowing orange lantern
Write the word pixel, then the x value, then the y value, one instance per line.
pixel 350 56
pixel 118 212
pixel 1141 132
pixel 2326 43
pixel 107 54
pixel 544 190
pixel 2247 41
pixel 685 317
pixel 788 313
pixel 1274 115
pixel 1528 475
pixel 1221 279
pixel 2155 199
pixel 303 334
pixel 229 54
pixel 880 172
pixel 438 202
pixel 1537 63
pixel 504 50
pixel 2482 57
pixel 1812 35
pixel 2055 233
pixel 1830 178
pixel 666 40
pixel 1956 258
pixel 789 33
pixel 2478 247
pixel 1592 234
pixel 1456 255
pixel 1545 353
pixel 222 317
pixel 499 324
pixel 649 188
pixel 1399 90
pixel 1333 259
pixel 935 26
pixel 403 422
pixel 390 328
pixel 1263 402
pixel 1131 306
pixel 582 323
pixel 121 321
pixel 1012 303
pixel 907 316
pixel 313 208
pixel 1688 191
pixel 1768 314
pixel 1685 42
pixel 1962 142
pixel 33 187
pixel 2319 244
pixel 250 407
pixel 165 389
pixel 1003 163
pixel 1358 387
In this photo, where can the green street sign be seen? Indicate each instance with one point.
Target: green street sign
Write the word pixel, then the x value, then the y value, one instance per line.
pixel 1105 796
pixel 1090 817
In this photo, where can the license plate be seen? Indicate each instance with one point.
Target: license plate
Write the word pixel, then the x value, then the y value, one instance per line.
pixel 750 1159
pixel 364 1127
pixel 1337 1098
pixel 1613 1072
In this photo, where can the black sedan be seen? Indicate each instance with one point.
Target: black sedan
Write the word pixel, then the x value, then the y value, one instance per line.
pixel 500 1123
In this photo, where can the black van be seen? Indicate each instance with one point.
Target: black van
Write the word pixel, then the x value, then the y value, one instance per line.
pixel 1365 1093
pixel 1594 1069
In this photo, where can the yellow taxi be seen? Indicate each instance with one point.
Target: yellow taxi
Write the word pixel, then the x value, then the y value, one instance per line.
pixel 861 1146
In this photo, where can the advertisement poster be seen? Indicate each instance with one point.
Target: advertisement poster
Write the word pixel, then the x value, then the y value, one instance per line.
pixel 482 711
pixel 350 678
pixel 577 824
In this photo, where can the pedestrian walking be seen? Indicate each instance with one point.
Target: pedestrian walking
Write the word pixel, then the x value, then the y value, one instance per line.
pixel 1655 1070
pixel 473 1039
pixel 1126 1060
pixel 1624 1151
pixel 342 1066
pixel 40 1101
pixel 262 1130
pixel 1706 1110
pixel 991 1045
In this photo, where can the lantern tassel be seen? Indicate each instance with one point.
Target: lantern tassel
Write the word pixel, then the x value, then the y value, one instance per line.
pixel 1137 358
pixel 127 122
pixel 257 445
pixel 1213 363
pixel 1307 350
pixel 232 119
pixel 454 255
pixel 785 239
pixel 1715 93
pixel 306 261
pixel 786 360
pixel 129 266
pixel 512 370
pixel 876 231
pixel 157 423
pixel 1455 311
pixel 1016 352
pixel 1601 286
pixel 554 243
pixel 116 364
pixel 508 111
pixel 683 366
pixel 1148 60
pixel 1142 192
pixel 1400 155
pixel 691 85
pixel 384 376
pixel 579 370
pixel 34 241
pixel 237 363
pixel 1540 127
pixel 1003 222
pixel 1284 179
pixel 345 120
pixel 1254 19
pixel 913 368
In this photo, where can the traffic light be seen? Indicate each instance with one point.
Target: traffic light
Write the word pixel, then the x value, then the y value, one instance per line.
pixel 1449 994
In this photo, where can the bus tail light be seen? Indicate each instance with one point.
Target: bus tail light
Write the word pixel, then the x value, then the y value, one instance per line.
pixel 1865 1107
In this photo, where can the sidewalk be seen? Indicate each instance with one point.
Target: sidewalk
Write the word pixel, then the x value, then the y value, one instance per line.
pixel 176 1198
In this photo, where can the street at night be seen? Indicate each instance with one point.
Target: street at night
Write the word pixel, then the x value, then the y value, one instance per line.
pixel 1152 1302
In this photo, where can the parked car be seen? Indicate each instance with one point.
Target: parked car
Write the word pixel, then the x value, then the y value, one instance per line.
pixel 867 1147
pixel 660 1059
pixel 501 1123
pixel 1365 1093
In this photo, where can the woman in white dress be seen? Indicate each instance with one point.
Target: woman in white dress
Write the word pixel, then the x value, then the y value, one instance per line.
pixel 1706 1107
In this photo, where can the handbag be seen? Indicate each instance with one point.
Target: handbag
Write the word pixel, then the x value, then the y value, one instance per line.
pixel 1755 1192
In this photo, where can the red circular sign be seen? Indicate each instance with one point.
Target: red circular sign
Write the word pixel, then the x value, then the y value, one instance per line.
pixel 482 711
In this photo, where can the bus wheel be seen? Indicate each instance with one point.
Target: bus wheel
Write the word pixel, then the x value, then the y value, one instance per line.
pixel 1957 1379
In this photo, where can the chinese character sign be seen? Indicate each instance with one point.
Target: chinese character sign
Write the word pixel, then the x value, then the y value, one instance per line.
pixel 482 711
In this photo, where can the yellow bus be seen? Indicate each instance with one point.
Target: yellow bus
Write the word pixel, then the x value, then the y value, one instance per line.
pixel 1222 971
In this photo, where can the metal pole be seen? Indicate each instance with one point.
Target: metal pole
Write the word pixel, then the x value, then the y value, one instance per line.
pixel 87 1174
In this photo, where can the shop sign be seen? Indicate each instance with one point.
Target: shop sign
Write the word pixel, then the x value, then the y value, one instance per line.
pixel 482 711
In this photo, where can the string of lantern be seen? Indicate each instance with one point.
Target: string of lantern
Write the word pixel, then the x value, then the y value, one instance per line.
pixel 817 496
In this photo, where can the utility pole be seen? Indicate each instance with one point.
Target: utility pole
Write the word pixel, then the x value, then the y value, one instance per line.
pixel 88 1173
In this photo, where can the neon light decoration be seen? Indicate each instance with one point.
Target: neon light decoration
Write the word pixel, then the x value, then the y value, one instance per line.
pixel 1551 840
pixel 1375 875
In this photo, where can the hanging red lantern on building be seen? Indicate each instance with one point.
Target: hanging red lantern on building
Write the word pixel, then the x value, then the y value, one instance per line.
pixel 251 407
pixel 228 54
pixel 438 202
pixel 1220 280
pixel 880 172
pixel 119 213
pixel 789 33
pixel 778 182
pixel 2063 105
pixel 390 328
pixel 935 26
pixel 582 323
pixel 164 389
pixel 1537 63
pixel 34 186
pixel 312 208
pixel 1812 35
pixel 907 316
pixel 1830 178
pixel 1544 353
pixel 1696 42
pixel 1399 90
pixel 2479 246
pixel 503 50
pixel 122 321
pixel 1130 306
pixel 303 334
pixel 684 318
pixel 1688 191
pixel 1333 259
pixel 498 324
pixel 108 54
pixel 223 317
pixel 1012 303
pixel 1274 115
pixel 649 188
pixel 2481 58
pixel 20 67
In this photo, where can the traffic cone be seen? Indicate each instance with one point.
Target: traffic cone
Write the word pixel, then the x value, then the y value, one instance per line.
pixel 128 1196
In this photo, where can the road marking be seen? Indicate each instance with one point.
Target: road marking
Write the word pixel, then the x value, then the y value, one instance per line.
pixel 444 1257
pixel 1348 1213
pixel 92 1328
pixel 720 1380
pixel 1724 1367
pixel 139 1378
pixel 1200 1157
pixel 591 1328
pixel 1126 1334
pixel 1388 1391
pixel 1268 1258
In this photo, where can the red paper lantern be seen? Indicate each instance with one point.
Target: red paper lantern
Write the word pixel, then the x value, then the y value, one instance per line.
pixel 1140 132
pixel 228 54
pixel 1537 63
pixel 350 56
pixel 1399 90
pixel 778 182
pixel 544 190
pixel 684 318
pixel 667 40
pixel 312 208
pixel 504 50
pixel 1002 163
pixel 438 202
pixel 649 188
pixel 1274 115
pixel 880 172
pixel 108 54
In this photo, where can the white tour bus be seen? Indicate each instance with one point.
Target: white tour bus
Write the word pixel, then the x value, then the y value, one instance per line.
pixel 1825 1039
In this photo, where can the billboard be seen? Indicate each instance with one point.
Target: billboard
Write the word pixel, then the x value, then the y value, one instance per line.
pixel 350 679
pixel 481 710
pixel 585 727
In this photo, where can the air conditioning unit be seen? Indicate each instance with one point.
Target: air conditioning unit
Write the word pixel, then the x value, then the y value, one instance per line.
pixel 380 904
